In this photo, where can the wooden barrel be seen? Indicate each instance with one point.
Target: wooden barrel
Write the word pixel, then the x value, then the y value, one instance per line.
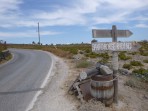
pixel 102 88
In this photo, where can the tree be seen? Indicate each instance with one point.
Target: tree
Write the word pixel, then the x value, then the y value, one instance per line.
pixel 93 41
pixel 33 43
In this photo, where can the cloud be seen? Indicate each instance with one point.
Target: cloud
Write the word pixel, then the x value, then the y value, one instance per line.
pixel 130 5
pixel 9 6
pixel 88 12
pixel 139 18
pixel 80 12
pixel 141 25
pixel 27 34
pixel 117 17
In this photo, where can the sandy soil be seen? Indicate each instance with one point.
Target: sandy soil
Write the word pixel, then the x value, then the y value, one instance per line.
pixel 56 98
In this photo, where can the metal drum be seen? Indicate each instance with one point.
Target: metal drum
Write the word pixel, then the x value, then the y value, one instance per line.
pixel 102 88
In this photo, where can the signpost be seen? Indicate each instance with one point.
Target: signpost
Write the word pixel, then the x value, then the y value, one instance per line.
pixel 113 46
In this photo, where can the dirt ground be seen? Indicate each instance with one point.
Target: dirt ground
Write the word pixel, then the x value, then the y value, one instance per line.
pixel 56 98
pixel 130 99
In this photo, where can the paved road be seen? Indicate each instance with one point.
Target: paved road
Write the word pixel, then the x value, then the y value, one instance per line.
pixel 21 78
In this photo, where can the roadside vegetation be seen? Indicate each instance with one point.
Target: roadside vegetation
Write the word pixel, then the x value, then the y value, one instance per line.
pixel 123 56
pixel 127 66
pixel 144 48
pixel 6 59
pixel 137 67
pixel 83 64
pixel 145 61
pixel 4 55
pixel 2 46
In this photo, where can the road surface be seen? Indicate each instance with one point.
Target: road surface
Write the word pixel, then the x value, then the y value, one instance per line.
pixel 21 78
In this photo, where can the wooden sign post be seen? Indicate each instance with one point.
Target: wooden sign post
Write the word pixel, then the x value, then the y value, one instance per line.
pixel 115 64
pixel 114 46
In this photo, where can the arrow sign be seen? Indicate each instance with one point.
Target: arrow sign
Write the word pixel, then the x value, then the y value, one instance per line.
pixel 108 33
pixel 115 46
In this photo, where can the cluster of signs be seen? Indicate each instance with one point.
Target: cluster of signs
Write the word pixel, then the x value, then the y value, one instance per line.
pixel 113 46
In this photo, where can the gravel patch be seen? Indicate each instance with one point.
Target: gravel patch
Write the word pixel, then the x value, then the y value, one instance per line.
pixel 54 97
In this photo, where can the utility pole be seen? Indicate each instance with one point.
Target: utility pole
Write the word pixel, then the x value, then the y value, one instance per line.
pixel 39 33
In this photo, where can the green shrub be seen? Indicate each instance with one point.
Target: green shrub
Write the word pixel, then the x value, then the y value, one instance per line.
pixel 144 48
pixel 140 71
pixel 88 50
pixel 143 53
pixel 141 74
pixel 136 63
pixel 104 56
pixel 73 51
pixel 133 53
pixel 122 56
pixel 131 83
pixel 103 61
pixel 92 55
pixel 83 64
pixel 127 66
pixel 146 60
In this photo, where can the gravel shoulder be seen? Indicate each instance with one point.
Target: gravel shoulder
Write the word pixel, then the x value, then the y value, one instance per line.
pixel 54 96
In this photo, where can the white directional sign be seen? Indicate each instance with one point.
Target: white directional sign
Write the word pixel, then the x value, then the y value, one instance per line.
pixel 108 33
pixel 114 46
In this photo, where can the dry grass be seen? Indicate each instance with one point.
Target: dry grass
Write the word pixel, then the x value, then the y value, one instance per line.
pixel 92 105
pixel 6 59
pixel 57 51
pixel 133 82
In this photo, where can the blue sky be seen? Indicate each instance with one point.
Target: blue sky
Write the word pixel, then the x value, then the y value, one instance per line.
pixel 70 21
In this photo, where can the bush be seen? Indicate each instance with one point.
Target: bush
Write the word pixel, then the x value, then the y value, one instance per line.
pixel 127 66
pixel 83 64
pixel 146 60
pixel 133 53
pixel 144 53
pixel 122 56
pixel 134 83
pixel 74 51
pixel 104 55
pixel 144 48
pixel 92 55
pixel 140 71
pixel 131 83
pixel 136 63
pixel 103 61
pixel 88 50
pixel 2 47
pixel 142 74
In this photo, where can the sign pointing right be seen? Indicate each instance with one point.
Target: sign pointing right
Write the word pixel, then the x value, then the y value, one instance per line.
pixel 124 33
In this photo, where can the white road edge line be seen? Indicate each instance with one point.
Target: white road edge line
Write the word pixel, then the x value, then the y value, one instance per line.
pixel 42 85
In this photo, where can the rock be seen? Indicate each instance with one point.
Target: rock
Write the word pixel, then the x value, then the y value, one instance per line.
pixel 124 71
pixel 78 56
